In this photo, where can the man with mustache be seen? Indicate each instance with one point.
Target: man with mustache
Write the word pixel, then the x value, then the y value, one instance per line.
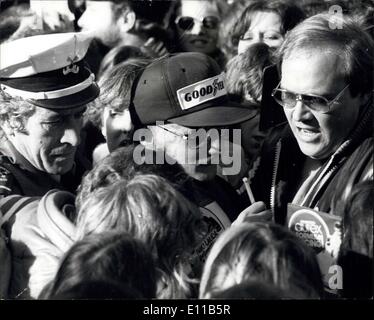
pixel 44 89
pixel 44 92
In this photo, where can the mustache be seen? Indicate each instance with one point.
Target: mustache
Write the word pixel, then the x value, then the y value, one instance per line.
pixel 63 150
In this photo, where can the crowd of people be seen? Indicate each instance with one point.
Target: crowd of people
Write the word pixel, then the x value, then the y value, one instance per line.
pixel 186 149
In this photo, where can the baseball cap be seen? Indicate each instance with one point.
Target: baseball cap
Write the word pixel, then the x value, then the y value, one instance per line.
pixel 187 89
pixel 48 70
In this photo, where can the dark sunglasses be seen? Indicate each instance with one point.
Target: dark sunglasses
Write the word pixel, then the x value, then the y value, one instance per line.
pixel 187 23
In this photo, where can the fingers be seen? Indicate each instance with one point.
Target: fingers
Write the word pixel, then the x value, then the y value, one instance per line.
pixel 256 212
pixel 155 48
pixel 255 208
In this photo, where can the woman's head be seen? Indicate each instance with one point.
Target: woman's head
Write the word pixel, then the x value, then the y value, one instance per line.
pixel 261 252
pixel 265 21
pixel 110 111
pixel 110 258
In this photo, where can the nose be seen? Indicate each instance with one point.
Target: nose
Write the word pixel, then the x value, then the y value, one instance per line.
pixel 258 38
pixel 213 145
pixel 123 122
pixel 301 112
pixel 72 133
pixel 197 28
pixel 81 20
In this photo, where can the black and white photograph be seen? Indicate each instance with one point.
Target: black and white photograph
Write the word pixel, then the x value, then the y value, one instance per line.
pixel 186 156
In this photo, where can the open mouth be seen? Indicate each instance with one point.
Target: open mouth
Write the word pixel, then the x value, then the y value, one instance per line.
pixel 308 133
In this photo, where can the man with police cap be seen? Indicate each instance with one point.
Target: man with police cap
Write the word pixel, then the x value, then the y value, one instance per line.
pixel 44 89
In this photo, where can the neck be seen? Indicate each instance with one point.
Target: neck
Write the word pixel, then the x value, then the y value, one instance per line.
pixel 131 40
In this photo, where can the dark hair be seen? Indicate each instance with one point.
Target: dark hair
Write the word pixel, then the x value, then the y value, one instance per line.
pixel 256 290
pixel 144 9
pixel 289 12
pixel 96 290
pixel 115 88
pixel 222 9
pixel 244 75
pixel 150 16
pixel 348 40
pixel 356 250
pixel 108 257
pixel 262 252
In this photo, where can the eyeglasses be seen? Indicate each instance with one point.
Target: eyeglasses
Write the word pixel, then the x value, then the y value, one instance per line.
pixel 186 23
pixel 288 99
pixel 198 139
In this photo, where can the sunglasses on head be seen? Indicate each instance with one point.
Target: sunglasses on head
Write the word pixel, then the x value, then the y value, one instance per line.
pixel 187 23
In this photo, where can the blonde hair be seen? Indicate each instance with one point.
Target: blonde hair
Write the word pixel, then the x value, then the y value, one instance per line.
pixel 151 210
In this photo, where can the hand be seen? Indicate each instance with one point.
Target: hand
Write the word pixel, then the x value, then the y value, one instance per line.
pixel 256 212
pixel 155 48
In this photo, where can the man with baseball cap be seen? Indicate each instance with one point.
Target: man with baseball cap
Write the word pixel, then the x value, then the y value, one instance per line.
pixel 182 101
pixel 44 89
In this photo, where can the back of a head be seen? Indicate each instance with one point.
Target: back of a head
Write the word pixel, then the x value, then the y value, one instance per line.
pixel 121 164
pixel 94 290
pixel 343 37
pixel 262 252
pixel 148 207
pixel 109 257
pixel 151 210
pixel 244 75
pixel 254 290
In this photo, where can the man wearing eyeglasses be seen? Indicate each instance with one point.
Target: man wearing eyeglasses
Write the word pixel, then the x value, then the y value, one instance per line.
pixel 197 27
pixel 326 94
pixel 180 110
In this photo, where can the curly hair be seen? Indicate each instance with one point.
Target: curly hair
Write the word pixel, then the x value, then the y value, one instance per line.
pixel 14 112
pixel 245 72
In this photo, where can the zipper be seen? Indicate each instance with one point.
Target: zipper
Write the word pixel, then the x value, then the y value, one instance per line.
pixel 273 179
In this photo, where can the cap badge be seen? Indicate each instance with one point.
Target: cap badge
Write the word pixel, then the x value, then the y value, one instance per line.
pixel 72 67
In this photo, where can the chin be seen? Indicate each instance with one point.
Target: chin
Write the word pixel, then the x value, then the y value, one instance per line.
pixel 60 170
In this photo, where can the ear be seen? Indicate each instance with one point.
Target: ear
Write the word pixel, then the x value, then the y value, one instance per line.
pixel 127 21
